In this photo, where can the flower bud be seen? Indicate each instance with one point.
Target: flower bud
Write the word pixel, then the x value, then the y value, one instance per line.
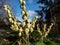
pixel 15 22
pixel 10 19
pixel 20 30
pixel 23 12
pixel 52 24
pixel 26 31
pixel 9 12
pixel 31 29
pixel 33 25
pixel 28 20
pixel 5 7
pixel 12 25
pixel 23 24
pixel 21 1
pixel 24 8
pixel 15 26
pixel 24 17
pixel 19 34
pixel 9 15
pixel 26 13
pixel 28 25
pixel 36 16
pixel 16 29
pixel 24 2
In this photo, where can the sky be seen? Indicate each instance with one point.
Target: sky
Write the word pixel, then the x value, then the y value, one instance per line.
pixel 31 6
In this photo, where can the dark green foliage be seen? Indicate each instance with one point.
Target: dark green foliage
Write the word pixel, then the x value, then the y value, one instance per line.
pixel 34 36
pixel 40 43
pixel 47 41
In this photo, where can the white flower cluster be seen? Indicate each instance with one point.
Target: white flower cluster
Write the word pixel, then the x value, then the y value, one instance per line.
pixel 12 21
pixel 26 26
pixel 45 31
pixel 29 26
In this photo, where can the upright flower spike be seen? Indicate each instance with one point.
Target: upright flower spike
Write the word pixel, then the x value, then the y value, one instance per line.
pixel 11 18
pixel 33 22
pixel 45 32
pixel 49 29
pixel 39 30
pixel 24 12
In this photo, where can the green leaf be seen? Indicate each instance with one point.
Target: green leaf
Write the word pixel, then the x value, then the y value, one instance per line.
pixel 51 43
pixel 40 43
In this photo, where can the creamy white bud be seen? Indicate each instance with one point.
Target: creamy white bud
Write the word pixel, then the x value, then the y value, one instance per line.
pixel 23 12
pixel 15 22
pixel 21 1
pixel 31 29
pixel 9 15
pixel 28 20
pixel 15 26
pixel 28 25
pixel 16 29
pixel 12 25
pixel 23 24
pixel 5 7
pixel 36 16
pixel 25 18
pixel 26 31
pixel 10 19
pixel 26 13
pixel 33 26
pixel 24 8
pixel 52 24
pixel 9 12
pixel 19 33
pixel 24 2
pixel 20 30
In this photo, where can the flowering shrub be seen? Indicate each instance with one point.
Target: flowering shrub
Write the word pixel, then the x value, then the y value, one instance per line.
pixel 24 30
